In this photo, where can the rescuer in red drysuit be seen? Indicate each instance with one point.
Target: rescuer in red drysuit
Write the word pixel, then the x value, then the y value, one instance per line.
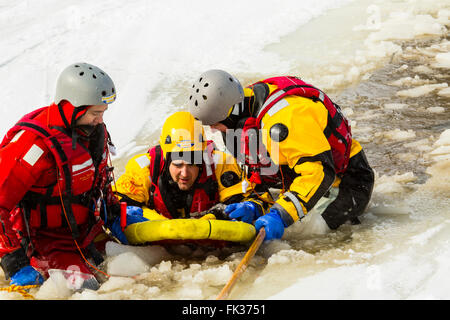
pixel 55 192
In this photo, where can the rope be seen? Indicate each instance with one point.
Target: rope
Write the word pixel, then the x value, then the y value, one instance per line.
pixel 21 290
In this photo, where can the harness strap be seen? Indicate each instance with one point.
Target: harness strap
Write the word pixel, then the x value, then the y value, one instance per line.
pixel 279 94
pixel 42 207
pixel 32 199
pixel 296 201
pixel 331 130
pixel 336 122
pixel 155 172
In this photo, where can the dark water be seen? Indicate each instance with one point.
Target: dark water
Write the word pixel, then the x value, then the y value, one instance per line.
pixel 369 97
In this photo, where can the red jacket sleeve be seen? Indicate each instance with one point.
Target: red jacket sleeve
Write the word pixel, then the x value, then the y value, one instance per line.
pixel 22 162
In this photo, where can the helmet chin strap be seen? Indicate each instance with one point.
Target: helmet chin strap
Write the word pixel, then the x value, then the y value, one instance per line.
pixel 79 112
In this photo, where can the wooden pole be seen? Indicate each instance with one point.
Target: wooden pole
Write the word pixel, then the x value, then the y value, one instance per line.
pixel 242 265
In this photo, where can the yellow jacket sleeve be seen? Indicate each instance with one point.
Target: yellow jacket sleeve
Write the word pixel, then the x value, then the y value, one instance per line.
pixel 305 149
pixel 135 182
pixel 355 149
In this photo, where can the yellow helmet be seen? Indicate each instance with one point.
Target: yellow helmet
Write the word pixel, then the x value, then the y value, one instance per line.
pixel 182 137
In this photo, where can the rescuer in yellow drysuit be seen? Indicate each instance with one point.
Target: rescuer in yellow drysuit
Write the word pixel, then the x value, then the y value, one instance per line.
pixel 303 145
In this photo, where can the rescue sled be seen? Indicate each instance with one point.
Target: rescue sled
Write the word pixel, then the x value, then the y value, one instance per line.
pixel 207 228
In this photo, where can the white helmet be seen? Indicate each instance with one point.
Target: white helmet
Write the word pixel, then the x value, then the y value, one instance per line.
pixel 213 95
pixel 83 84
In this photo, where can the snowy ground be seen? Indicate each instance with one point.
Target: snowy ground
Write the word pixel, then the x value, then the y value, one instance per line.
pixel 385 62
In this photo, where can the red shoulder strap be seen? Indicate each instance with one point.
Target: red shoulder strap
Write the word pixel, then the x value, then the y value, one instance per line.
pixel 339 131
pixel 289 85
pixel 156 167
pixel 156 162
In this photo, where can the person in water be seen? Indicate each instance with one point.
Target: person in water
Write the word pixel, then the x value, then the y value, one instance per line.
pixel 184 176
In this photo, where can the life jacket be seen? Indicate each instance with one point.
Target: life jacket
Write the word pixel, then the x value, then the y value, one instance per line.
pixel 337 131
pixel 65 203
pixel 204 195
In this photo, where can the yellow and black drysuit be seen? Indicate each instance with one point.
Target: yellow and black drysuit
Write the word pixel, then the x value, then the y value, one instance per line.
pixel 298 133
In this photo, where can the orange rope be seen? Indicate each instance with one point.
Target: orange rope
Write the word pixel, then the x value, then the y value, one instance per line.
pixel 21 290
pixel 282 180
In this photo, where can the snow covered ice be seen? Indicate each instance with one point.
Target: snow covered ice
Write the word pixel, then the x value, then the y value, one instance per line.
pixel 386 63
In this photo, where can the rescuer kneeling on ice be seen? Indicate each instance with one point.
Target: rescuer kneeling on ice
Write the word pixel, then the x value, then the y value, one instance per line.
pixel 182 177
pixel 55 188
pixel 301 133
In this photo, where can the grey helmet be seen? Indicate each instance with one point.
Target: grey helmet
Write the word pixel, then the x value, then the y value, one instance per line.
pixel 213 95
pixel 83 84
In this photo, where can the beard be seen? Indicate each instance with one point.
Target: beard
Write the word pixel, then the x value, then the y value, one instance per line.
pixel 86 129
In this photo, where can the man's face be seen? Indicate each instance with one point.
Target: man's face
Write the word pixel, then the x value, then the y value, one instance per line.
pixel 93 116
pixel 219 126
pixel 183 174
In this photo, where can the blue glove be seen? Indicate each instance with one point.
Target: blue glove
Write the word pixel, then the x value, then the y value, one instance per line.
pixel 27 276
pixel 134 215
pixel 245 211
pixel 272 224
pixel 135 211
